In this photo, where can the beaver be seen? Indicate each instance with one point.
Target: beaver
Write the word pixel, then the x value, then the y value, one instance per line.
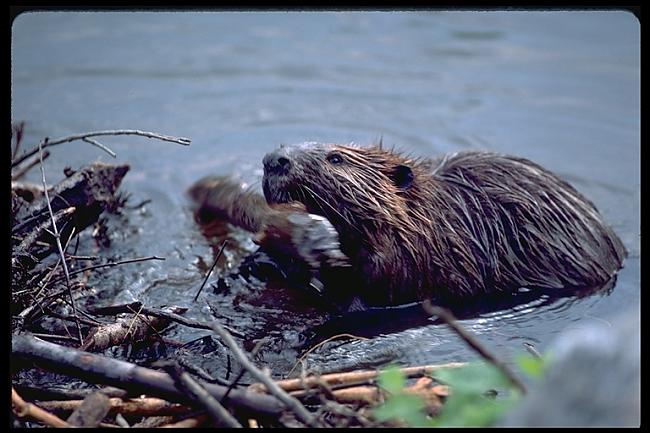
pixel 392 229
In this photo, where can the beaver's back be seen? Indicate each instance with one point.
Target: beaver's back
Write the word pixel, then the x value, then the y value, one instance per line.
pixel 495 223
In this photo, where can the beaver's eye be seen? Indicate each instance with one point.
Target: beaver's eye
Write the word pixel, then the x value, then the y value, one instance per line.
pixel 335 158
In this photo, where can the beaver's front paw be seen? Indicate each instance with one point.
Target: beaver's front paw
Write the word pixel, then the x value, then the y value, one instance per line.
pixel 310 238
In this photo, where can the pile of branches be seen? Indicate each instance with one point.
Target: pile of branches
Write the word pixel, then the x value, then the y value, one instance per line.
pixel 170 396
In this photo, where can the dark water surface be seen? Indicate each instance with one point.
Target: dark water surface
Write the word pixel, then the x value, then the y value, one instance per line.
pixel 560 88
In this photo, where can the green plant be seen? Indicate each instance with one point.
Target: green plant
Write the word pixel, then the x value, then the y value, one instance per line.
pixel 400 404
pixel 470 403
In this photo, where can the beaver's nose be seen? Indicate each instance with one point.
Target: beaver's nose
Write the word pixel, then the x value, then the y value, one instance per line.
pixel 277 162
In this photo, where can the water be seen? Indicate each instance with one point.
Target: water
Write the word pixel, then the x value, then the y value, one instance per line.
pixel 561 88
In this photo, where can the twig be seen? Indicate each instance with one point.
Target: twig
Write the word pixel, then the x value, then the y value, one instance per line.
pixel 101 146
pixel 531 349
pixel 223 246
pixel 29 166
pixel 43 282
pixel 57 237
pixel 354 377
pixel 54 337
pixel 188 422
pixel 232 384
pixel 125 308
pixel 23 409
pixel 291 402
pixel 194 389
pixel 450 320
pixel 47 143
pixel 111 264
pixel 148 406
pixel 304 355
pixel 89 268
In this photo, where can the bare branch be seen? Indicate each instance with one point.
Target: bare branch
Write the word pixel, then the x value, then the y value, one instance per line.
pixel 57 237
pixel 196 391
pixel 291 402
pixel 211 269
pixel 48 143
pixel 102 369
pixel 23 409
pixel 450 320
pixel 101 146
pixel 29 166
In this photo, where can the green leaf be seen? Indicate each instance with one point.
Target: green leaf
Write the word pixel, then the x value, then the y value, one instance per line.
pixel 531 365
pixel 469 409
pixel 473 378
pixel 392 380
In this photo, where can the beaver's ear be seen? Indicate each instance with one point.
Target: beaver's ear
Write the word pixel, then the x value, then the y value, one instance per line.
pixel 402 176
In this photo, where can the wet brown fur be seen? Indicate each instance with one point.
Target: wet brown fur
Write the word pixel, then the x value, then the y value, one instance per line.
pixel 465 224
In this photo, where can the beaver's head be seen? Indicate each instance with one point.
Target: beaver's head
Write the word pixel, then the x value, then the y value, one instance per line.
pixel 356 188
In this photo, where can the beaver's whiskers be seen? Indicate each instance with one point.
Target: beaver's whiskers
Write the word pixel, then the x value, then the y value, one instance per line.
pixel 318 200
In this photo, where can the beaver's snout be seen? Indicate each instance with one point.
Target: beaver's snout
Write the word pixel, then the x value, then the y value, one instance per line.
pixel 277 162
pixel 278 167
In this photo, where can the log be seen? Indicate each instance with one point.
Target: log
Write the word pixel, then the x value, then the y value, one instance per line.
pixel 100 369
pixel 89 190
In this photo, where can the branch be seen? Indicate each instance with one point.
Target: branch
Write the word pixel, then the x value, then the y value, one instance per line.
pixel 450 320
pixel 101 369
pixel 197 392
pixel 211 269
pixel 23 409
pixel 291 402
pixel 353 377
pixel 133 407
pixel 48 143
pixel 57 237
pixel 20 173
pixel 128 308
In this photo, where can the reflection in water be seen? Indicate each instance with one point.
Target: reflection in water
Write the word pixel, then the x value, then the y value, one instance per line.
pixel 486 312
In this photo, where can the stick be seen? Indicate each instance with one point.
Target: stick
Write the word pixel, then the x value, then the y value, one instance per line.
pixel 223 246
pixel 57 237
pixel 29 166
pixel 450 320
pixel 101 146
pixel 188 422
pixel 353 377
pixel 126 308
pixel 140 327
pixel 91 411
pixel 194 389
pixel 311 349
pixel 111 264
pixel 101 369
pixel 235 381
pixel 28 310
pixel 47 143
pixel 291 402
pixel 135 407
pixel 23 409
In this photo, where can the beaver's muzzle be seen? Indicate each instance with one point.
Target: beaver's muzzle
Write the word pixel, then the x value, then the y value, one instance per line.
pixel 277 162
